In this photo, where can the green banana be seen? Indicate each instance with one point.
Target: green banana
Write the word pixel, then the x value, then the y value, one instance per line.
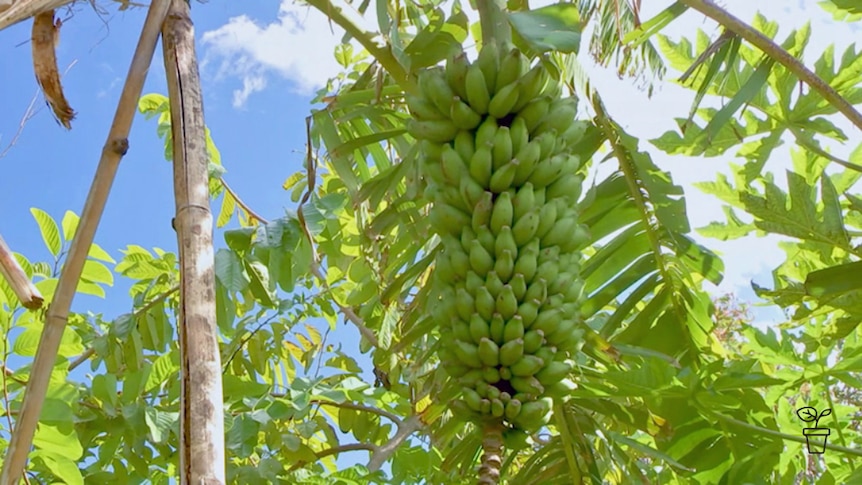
pixel 528 157
pixel 493 284
pixel 460 330
pixel 456 73
pixel 566 334
pixel 513 408
pixel 488 61
pixel 433 85
pixel 553 372
pixel 501 215
pixel 467 236
pixel 563 281
pixel 527 264
pixel 464 144
pixel 471 192
pixel 471 398
pixel 491 375
pixel 489 352
pixel 486 238
pixel 511 352
pixel 480 259
pixel 560 117
pixel 569 186
pixel 518 284
pixel 478 328
pixel 527 385
pixel 502 179
pixel 471 379
pixel 505 265
pixel 561 232
pixel 534 112
pixel 462 115
pixel 454 167
pixel 485 304
pixel 478 95
pixel 519 134
pixel 533 341
pixel 574 134
pixel 514 329
pixel 482 165
pixel 547 219
pixel 493 392
pixel 511 68
pixel 538 290
pixel 530 85
pixel 486 406
pixel 464 304
pixel 459 264
pixel 548 270
pixel 523 201
pixel 438 131
pixel 579 238
pixel 534 414
pixel 546 321
pixel 497 328
pixel 505 242
pixel 526 227
pixel 446 219
pixel 486 133
pixel 482 212
pixel 497 408
pixel 527 366
pixel 547 171
pixel 467 353
pixel 548 144
pixel 507 304
pixel 505 373
pixel 502 149
pixel 505 396
pixel 529 311
pixel 423 109
pixel 503 101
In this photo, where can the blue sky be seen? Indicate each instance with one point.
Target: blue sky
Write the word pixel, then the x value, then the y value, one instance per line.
pixel 260 64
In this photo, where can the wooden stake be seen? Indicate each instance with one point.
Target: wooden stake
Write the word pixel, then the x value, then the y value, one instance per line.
pixel 202 456
pixel 58 312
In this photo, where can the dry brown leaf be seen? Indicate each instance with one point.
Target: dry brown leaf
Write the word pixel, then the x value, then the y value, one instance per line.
pixel 46 36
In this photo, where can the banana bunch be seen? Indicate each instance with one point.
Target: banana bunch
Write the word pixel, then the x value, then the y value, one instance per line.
pixel 496 144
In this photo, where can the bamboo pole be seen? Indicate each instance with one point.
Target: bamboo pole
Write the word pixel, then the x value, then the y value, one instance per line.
pixel 58 312
pixel 202 456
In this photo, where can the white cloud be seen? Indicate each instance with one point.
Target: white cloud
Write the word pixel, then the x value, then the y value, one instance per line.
pixel 298 45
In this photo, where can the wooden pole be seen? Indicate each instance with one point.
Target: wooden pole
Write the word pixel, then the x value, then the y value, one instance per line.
pixel 58 312
pixel 202 456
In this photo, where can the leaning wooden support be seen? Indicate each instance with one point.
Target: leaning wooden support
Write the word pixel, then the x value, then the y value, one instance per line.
pixel 202 456
pixel 17 279
pixel 114 149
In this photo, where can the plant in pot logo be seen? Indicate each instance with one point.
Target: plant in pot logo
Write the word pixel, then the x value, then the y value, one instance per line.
pixel 815 437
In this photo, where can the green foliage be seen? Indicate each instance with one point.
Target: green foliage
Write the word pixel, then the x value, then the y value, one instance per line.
pixel 671 387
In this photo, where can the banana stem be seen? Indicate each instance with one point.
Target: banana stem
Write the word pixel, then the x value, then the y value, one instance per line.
pixel 492 454
pixel 495 25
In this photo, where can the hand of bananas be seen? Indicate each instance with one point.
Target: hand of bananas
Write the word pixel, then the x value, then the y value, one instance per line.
pixel 496 138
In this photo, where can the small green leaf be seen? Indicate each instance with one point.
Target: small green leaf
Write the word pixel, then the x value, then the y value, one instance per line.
pixel 552 28
pixel 48 228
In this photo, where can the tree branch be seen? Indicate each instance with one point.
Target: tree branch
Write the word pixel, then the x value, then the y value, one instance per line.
pixel 360 407
pixel 383 55
pixel 773 50
pixel 384 452
pixel 336 450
